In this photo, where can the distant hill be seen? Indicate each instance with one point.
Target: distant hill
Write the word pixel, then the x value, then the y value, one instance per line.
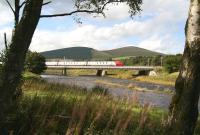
pixel 85 53
pixel 131 51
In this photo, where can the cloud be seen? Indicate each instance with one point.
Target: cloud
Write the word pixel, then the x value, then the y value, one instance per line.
pixel 6 15
pixel 159 26
pixel 165 44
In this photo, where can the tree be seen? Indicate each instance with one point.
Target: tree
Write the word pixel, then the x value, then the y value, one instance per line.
pixel 184 107
pixel 24 29
pixel 172 63
pixel 35 62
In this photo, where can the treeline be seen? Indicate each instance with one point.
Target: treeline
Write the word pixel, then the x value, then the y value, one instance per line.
pixel 170 62
pixel 34 62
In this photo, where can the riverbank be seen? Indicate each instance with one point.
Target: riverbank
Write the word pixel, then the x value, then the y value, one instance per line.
pixel 162 77
pixel 52 108
pixel 153 94
pixel 56 108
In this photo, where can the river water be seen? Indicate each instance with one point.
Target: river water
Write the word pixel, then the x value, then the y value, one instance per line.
pixel 150 94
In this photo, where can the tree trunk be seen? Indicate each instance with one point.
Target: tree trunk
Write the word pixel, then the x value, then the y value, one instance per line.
pixel 184 106
pixel 15 57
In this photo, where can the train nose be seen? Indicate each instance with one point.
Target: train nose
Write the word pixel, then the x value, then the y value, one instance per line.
pixel 119 63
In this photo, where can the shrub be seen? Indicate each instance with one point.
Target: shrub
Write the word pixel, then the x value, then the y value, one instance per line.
pixel 172 63
pixel 35 62
pixel 100 90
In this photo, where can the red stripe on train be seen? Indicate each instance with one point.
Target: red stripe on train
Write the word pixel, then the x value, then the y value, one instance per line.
pixel 119 63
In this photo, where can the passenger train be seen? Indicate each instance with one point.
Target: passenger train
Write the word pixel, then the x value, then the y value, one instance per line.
pixel 85 63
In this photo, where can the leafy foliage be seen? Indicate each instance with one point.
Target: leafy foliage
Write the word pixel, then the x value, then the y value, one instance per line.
pixel 100 90
pixel 35 62
pixel 172 63
pixel 99 5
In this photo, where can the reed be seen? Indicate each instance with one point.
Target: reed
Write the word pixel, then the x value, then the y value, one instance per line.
pixel 47 108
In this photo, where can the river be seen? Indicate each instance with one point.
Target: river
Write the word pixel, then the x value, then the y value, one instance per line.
pixel 153 94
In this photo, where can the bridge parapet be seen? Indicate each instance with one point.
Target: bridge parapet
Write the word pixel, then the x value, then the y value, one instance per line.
pixel 101 70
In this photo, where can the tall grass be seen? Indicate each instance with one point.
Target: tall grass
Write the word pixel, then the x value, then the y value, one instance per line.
pixel 48 109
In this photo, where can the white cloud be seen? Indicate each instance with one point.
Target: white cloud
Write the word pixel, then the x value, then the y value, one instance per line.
pixel 165 44
pixel 6 15
pixel 155 27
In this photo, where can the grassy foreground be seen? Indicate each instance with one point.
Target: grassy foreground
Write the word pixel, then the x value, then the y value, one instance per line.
pixel 52 109
pixel 56 109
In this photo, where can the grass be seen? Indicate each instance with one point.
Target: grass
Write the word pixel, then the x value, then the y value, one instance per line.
pixel 131 87
pixel 52 109
pixel 163 78
pixel 29 75
pixel 56 109
pixel 75 72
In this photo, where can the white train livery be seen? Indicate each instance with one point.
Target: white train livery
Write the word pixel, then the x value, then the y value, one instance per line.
pixel 85 63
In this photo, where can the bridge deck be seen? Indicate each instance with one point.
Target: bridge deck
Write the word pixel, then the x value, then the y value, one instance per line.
pixel 104 67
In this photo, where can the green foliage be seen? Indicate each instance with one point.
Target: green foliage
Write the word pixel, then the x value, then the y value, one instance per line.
pixel 143 60
pixel 2 59
pixel 99 5
pixel 172 63
pixel 35 62
pixel 100 90
pixel 2 55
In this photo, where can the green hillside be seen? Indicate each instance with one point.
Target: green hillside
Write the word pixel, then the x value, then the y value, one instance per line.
pixel 131 51
pixel 84 53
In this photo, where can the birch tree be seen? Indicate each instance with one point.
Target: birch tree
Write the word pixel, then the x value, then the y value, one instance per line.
pixel 184 106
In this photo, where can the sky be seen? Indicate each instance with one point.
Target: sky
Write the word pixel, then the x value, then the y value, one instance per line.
pixel 159 27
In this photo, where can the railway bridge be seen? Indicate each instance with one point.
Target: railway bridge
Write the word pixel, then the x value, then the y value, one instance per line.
pixel 102 69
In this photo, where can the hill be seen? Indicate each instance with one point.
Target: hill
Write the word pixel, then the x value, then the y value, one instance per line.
pixel 85 53
pixel 131 51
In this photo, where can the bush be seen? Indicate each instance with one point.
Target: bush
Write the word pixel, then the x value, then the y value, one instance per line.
pixel 35 62
pixel 100 90
pixel 172 63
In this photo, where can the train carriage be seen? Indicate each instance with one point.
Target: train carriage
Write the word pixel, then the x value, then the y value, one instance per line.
pixel 85 63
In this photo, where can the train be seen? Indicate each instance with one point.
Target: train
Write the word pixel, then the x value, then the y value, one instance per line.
pixel 85 63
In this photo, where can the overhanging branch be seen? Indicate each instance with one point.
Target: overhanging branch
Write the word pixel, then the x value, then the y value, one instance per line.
pixel 10 6
pixel 23 3
pixel 98 10
pixel 46 3
pixel 73 12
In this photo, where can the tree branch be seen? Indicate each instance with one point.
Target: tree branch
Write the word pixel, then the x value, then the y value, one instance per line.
pixel 46 3
pixel 70 13
pixel 23 3
pixel 98 10
pixel 17 10
pixel 10 6
pixel 5 40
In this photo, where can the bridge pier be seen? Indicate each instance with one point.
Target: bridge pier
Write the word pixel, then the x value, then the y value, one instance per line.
pixel 147 73
pixel 101 72
pixel 143 72
pixel 64 72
